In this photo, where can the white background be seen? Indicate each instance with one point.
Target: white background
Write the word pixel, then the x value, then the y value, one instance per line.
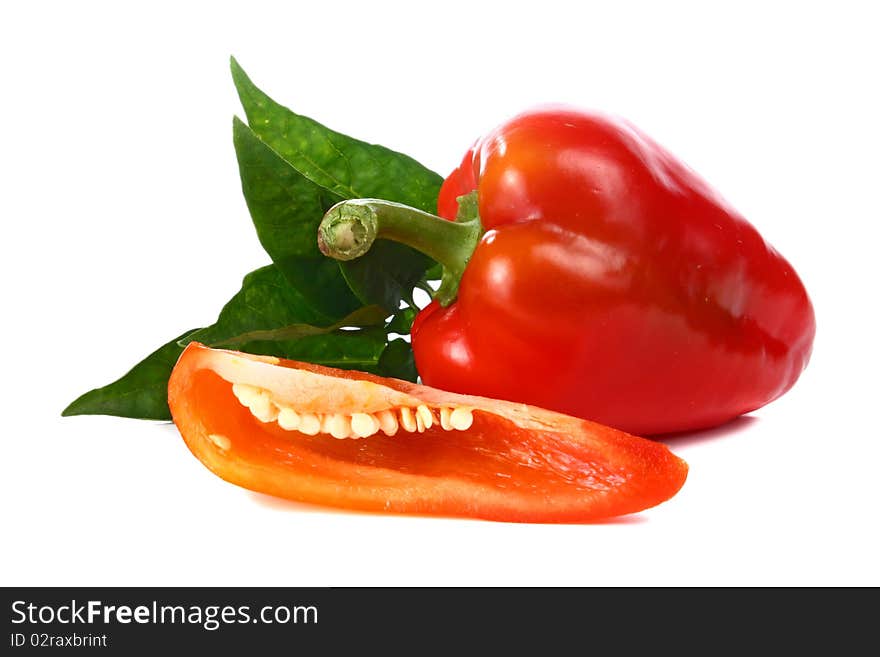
pixel 123 224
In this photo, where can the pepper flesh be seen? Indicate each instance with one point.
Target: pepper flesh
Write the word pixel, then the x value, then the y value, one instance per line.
pixel 629 291
pixel 513 463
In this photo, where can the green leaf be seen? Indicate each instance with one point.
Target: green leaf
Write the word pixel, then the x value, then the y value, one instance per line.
pixel 293 170
pixel 368 316
pixel 366 350
pixel 349 167
pixel 286 209
pixel 397 361
pixel 267 316
pixel 402 322
pixel 345 168
pixel 386 274
pixel 265 310
pixel 142 393
pixel 348 350
pixel 265 302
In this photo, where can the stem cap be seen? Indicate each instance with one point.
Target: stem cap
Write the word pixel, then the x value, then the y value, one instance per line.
pixel 348 230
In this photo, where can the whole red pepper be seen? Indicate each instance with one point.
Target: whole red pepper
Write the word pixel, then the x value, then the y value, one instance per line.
pixel 606 280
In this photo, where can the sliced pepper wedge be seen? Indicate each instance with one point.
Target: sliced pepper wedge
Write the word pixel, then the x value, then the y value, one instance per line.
pixel 447 454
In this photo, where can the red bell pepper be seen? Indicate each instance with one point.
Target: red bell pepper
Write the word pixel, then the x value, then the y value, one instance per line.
pixel 603 279
pixel 359 441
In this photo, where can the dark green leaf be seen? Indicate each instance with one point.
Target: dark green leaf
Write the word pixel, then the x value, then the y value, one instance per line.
pixel 346 166
pixel 265 302
pixel 267 316
pixel 292 170
pixel 386 274
pixel 348 350
pixel 363 318
pixel 397 361
pixel 401 323
pixel 142 393
pixel 286 209
pixel 268 309
pixel 368 316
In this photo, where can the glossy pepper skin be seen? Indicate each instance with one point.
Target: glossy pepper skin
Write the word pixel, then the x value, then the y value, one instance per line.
pixel 611 283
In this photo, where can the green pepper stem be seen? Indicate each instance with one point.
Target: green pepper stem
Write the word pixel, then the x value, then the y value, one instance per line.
pixel 349 229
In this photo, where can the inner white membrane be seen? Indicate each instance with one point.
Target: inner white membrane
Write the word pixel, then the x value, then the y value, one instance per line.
pixel 357 425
